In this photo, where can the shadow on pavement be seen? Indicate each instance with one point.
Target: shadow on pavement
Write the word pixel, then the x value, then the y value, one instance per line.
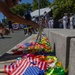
pixel 5 37
pixel 7 56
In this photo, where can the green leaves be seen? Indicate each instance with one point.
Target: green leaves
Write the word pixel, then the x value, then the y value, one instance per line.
pixel 42 4
pixel 20 8
pixel 63 6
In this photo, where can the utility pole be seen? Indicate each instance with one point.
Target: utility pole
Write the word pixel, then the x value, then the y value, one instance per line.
pixel 39 9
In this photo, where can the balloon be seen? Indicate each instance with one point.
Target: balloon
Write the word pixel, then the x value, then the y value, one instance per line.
pixel 55 71
pixel 33 43
pixel 59 64
pixel 20 46
pixel 27 44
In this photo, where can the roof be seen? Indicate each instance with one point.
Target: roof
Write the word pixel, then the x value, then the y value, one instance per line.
pixel 36 12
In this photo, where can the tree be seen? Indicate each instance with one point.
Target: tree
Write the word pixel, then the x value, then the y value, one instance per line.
pixel 63 6
pixel 20 8
pixel 34 5
pixel 42 4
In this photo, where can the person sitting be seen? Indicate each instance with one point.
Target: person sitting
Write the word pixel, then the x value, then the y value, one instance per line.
pixel 5 6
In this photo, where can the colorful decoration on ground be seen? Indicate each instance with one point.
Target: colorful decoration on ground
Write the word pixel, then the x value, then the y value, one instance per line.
pixel 20 66
pixel 55 71
pixel 40 44
pixel 42 63
pixel 37 60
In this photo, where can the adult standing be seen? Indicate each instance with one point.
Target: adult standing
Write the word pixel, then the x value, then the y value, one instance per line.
pixel 46 17
pixel 65 21
pixel 27 16
pixel 71 20
pixel 60 23
pixel 56 23
pixel 10 26
pixel 74 20
pixel 50 22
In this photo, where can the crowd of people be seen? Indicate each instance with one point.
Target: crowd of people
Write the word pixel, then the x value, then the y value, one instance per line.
pixel 47 21
pixel 66 22
pixel 31 24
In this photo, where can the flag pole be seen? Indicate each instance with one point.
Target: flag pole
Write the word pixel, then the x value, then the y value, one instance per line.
pixel 39 34
pixel 39 9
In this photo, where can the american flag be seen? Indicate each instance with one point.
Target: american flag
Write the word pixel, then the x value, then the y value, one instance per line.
pixel 12 66
pixel 20 66
pixel 33 70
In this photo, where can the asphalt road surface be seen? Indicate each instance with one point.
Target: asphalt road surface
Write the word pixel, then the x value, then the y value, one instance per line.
pixel 11 40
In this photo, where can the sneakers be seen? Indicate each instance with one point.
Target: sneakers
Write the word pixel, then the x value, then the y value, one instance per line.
pixel 26 34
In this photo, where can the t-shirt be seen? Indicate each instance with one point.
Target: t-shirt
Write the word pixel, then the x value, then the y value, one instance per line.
pixel 27 16
pixel 46 16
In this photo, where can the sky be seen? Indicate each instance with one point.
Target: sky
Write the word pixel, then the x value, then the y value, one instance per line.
pixel 23 1
pixel 30 1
